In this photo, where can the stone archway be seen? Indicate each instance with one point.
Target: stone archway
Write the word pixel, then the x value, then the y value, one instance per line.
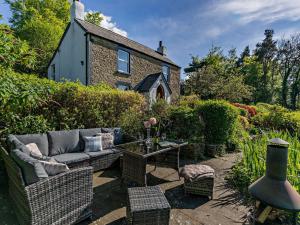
pixel 160 92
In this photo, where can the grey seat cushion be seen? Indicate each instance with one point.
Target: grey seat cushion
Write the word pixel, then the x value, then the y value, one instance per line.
pixel 61 142
pixel 40 140
pixel 32 170
pixel 117 132
pixel 69 158
pixel 87 133
pixel 102 153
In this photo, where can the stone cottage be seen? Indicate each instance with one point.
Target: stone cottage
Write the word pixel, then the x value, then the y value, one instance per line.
pixel 92 54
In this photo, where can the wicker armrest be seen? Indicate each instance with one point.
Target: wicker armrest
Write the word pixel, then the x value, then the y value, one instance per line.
pixel 65 197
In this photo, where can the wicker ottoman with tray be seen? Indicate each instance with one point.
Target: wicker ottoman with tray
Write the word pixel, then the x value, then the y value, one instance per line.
pixel 147 206
pixel 198 180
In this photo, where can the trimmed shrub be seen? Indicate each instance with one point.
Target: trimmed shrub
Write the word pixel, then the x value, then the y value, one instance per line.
pixel 277 118
pixel 191 101
pixel 30 104
pixel 220 120
pixel 185 124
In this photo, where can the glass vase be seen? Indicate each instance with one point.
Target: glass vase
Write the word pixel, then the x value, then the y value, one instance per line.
pixel 148 139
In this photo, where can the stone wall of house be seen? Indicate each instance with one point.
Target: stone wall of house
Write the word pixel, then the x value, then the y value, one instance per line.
pixel 103 67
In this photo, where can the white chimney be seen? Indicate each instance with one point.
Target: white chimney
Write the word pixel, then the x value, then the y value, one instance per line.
pixel 77 10
pixel 162 49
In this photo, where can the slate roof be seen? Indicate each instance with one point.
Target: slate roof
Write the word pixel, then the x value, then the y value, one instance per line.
pixel 121 40
pixel 147 83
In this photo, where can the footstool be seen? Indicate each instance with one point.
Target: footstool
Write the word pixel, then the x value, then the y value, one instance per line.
pixel 147 206
pixel 198 180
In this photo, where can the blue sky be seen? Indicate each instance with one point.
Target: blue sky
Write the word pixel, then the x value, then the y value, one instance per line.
pixel 191 27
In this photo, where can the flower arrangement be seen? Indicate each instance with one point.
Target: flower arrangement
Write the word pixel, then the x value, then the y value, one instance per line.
pixel 151 122
pixel 147 124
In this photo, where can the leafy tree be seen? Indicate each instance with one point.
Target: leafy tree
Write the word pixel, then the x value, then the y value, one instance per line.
pixel 244 54
pixel 41 23
pixel 15 53
pixel 289 63
pixel 94 17
pixel 216 76
pixel 252 72
pixel 266 52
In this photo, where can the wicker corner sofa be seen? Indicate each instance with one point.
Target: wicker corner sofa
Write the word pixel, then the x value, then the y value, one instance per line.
pixel 65 198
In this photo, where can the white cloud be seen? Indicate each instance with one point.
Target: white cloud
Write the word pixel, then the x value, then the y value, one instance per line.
pixel 261 10
pixel 110 25
pixel 214 32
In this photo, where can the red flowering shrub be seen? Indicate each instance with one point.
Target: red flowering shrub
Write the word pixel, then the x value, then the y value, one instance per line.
pixel 250 109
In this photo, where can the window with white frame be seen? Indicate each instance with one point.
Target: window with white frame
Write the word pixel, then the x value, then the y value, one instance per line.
pixel 123 61
pixel 166 72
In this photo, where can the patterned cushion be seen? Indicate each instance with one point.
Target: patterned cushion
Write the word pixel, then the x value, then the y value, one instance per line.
pixel 117 133
pixel 53 168
pixel 34 150
pixel 197 172
pixel 92 144
pixel 87 133
pixel 107 140
pixel 32 169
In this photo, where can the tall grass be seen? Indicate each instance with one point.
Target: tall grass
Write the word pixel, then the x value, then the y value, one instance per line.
pixel 252 165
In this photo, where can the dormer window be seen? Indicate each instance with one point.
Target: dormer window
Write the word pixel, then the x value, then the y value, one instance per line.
pixel 166 72
pixel 123 61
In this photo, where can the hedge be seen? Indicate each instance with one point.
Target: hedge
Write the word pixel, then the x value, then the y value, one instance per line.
pixel 30 104
pixel 220 119
pixel 275 117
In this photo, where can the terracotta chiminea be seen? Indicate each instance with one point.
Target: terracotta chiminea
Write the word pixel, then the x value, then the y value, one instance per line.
pixel 274 189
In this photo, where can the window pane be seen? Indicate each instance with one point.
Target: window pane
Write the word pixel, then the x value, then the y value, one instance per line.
pixel 123 87
pixel 166 72
pixel 122 55
pixel 123 67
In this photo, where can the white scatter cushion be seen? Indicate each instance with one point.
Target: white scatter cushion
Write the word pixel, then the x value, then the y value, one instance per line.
pixel 93 144
pixel 34 150
pixel 53 168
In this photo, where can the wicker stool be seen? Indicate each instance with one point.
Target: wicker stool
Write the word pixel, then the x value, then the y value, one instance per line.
pixel 147 206
pixel 198 180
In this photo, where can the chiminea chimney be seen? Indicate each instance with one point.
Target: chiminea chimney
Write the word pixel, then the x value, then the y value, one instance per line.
pixel 77 10
pixel 162 49
pixel 274 189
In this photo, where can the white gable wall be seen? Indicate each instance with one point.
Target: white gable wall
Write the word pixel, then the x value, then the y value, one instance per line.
pixel 70 59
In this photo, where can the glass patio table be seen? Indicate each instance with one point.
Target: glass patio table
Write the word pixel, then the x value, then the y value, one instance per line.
pixel 137 154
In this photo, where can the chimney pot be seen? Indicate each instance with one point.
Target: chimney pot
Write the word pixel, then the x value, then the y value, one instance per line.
pixel 162 49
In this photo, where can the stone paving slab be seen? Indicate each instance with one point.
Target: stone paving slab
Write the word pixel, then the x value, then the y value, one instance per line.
pixel 225 209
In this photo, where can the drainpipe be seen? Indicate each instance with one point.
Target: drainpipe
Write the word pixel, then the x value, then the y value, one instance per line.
pixel 87 59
